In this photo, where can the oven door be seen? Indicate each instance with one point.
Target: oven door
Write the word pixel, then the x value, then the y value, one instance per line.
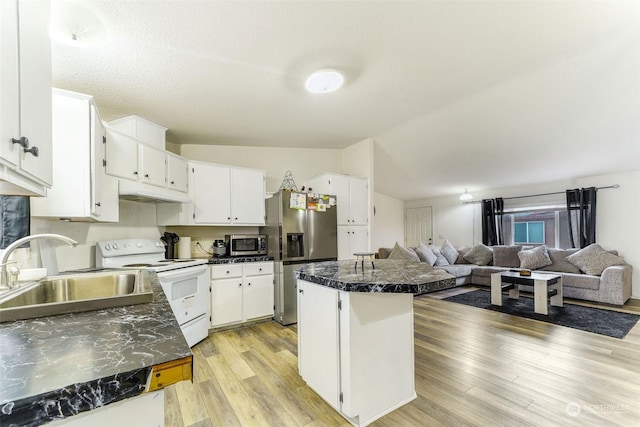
pixel 187 290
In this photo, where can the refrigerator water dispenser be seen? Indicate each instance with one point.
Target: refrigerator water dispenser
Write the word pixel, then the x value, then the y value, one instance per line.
pixel 295 245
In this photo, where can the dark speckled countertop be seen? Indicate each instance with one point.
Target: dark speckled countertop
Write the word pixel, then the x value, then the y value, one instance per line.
pixel 57 366
pixel 388 276
pixel 239 259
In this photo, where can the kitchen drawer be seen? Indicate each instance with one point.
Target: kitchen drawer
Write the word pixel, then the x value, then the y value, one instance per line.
pixel 226 271
pixel 254 269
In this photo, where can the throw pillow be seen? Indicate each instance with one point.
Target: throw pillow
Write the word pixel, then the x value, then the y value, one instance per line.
pixel 426 255
pixel 506 256
pixel 461 253
pixel 440 259
pixel 479 254
pixel 403 254
pixel 593 259
pixel 535 258
pixel 559 261
pixel 449 252
pixel 383 253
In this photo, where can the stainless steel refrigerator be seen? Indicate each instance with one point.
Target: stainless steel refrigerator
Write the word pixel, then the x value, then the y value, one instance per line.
pixel 300 228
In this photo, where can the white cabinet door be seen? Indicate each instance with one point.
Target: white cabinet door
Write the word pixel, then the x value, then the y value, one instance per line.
pixel 318 339
pixel 359 239
pixel 226 301
pixel 258 296
pixel 344 243
pixel 177 173
pixel 247 196
pixel 340 188
pixel 9 87
pixel 358 201
pixel 104 191
pixel 152 166
pixel 211 193
pixel 122 155
pixel 35 87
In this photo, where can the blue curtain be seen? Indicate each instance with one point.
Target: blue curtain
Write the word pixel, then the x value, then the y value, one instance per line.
pixel 15 218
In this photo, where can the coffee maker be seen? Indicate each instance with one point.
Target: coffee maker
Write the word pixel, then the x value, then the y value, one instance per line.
pixel 170 241
pixel 219 248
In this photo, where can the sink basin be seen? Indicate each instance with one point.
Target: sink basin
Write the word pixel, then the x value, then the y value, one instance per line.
pixel 75 293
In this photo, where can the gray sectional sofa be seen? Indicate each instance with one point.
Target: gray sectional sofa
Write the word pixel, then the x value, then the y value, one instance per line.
pixel 611 286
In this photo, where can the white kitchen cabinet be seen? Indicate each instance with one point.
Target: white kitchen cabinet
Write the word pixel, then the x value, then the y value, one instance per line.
pixel 25 98
pixel 222 195
pixel 241 292
pixel 122 155
pixel 352 239
pixel 142 130
pixel 177 173
pixel 79 140
pixel 352 196
pixel 152 165
pixel 356 350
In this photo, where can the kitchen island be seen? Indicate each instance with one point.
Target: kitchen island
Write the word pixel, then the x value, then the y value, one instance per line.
pixel 355 333
pixel 55 367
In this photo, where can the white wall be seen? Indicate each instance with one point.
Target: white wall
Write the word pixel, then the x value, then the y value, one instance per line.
pixel 136 220
pixel 388 222
pixel 304 163
pixel 617 213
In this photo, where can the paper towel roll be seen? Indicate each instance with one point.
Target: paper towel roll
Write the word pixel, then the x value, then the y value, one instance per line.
pixel 184 248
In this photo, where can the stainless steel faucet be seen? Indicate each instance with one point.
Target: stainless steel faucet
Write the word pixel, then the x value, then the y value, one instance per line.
pixel 4 279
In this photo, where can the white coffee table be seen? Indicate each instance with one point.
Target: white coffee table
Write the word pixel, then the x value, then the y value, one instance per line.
pixel 545 286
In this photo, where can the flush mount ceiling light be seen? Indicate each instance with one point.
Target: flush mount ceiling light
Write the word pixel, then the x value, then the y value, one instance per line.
pixel 324 81
pixel 465 197
pixel 75 24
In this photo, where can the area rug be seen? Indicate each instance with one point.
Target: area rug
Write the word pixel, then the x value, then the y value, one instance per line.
pixel 604 322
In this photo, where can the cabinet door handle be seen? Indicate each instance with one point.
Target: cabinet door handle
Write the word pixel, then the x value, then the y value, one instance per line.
pixel 236 218
pixel 249 283
pixel 135 172
pixel 98 204
pixel 227 271
pixel 172 182
pixel 146 175
pixel 301 291
pixel 23 141
pixel 33 150
pixel 239 284
pixel 229 218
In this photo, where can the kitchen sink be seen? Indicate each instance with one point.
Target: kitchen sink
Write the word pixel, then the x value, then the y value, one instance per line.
pixel 75 293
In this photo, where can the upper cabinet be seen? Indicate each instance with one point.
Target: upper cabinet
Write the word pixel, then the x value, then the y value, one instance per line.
pixel 352 196
pixel 82 191
pixel 25 97
pixel 222 195
pixel 142 130
pixel 177 172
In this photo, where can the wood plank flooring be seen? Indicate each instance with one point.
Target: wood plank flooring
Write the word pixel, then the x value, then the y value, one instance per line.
pixel 473 367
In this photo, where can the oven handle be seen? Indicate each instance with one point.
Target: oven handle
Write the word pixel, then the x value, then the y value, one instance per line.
pixel 183 272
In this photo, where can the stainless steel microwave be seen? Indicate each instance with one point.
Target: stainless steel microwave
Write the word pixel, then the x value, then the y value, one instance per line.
pixel 246 244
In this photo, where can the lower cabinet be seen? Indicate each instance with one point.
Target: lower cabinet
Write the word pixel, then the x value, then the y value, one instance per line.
pixel 241 292
pixel 355 349
pixel 351 239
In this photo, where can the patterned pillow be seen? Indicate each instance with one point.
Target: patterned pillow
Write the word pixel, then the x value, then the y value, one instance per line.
pixel 559 261
pixel 535 258
pixel 593 259
pixel 479 254
pixel 461 253
pixel 426 255
pixel 449 252
pixel 403 254
pixel 441 260
pixel 506 256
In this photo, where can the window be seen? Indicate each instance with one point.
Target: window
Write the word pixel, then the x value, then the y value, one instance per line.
pixel 528 232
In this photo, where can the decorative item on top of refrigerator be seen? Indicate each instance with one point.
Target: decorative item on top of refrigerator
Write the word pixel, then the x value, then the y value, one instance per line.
pixel 301 228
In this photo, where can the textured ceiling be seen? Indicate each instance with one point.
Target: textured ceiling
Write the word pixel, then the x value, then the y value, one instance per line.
pixel 477 94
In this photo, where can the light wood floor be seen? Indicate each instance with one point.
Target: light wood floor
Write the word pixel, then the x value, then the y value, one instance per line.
pixel 473 367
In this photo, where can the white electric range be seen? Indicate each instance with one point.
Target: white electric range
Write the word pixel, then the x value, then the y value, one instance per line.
pixel 184 281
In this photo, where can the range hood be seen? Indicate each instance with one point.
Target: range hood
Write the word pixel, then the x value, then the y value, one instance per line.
pixel 140 192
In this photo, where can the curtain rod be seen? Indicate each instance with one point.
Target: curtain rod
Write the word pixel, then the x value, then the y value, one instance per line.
pixel 546 194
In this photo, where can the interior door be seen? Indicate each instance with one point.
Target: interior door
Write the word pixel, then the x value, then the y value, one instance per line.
pixel 418 226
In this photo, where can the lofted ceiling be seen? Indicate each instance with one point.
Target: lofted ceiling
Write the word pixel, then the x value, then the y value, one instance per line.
pixel 456 94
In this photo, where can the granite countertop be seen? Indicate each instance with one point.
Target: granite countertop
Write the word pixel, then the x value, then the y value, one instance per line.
pixel 240 259
pixel 388 276
pixel 57 366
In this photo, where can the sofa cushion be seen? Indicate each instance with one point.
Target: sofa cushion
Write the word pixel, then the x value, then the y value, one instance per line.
pixel 383 253
pixel 479 255
pixel 535 258
pixel 506 256
pixel 593 259
pixel 426 254
pixel 403 254
pixel 458 270
pixel 487 271
pixel 441 260
pixel 449 252
pixel 559 261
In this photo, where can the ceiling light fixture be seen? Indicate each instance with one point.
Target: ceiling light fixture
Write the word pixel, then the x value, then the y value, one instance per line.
pixel 324 81
pixel 466 197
